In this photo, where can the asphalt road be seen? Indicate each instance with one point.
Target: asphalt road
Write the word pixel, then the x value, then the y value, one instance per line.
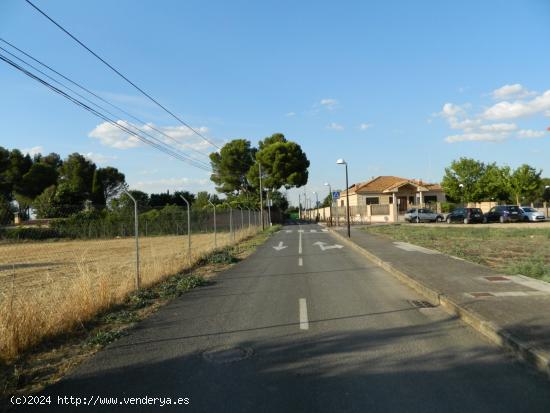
pixel 305 327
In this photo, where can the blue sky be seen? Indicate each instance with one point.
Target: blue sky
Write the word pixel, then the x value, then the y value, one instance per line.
pixel 394 87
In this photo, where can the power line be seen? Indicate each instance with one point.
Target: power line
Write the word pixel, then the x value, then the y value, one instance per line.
pixel 101 107
pixel 101 115
pixel 121 75
pixel 93 94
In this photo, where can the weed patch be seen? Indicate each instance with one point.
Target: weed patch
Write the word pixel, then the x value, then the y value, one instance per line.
pixel 102 338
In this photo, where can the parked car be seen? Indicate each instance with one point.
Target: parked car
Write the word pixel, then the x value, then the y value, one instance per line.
pixel 531 214
pixel 466 216
pixel 504 213
pixel 422 215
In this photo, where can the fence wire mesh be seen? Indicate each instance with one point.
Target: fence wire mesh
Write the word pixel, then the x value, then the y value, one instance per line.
pixel 54 272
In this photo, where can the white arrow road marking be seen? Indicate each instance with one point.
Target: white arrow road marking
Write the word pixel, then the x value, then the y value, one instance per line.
pixel 410 247
pixel 280 246
pixel 324 246
pixel 313 230
pixel 304 323
pixel 300 242
pixel 288 231
pixel 300 262
pixel 324 230
pixel 300 231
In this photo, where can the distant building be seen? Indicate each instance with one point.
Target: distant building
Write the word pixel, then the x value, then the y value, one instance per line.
pixel 389 190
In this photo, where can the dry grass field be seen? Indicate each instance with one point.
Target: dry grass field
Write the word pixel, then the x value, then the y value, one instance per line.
pixel 47 288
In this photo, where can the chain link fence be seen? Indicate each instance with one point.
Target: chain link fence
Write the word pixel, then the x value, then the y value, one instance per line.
pixel 61 271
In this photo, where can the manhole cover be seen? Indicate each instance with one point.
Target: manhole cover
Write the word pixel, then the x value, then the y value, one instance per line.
pixel 477 295
pixel 496 278
pixel 422 304
pixel 227 355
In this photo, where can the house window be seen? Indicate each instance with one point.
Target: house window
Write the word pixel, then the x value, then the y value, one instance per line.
pixel 411 200
pixel 390 199
pixel 430 199
pixel 342 202
pixel 373 200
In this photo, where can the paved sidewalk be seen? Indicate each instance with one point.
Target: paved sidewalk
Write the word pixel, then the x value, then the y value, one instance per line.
pixel 513 311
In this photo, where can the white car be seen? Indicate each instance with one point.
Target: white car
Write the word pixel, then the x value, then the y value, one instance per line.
pixel 531 214
pixel 423 215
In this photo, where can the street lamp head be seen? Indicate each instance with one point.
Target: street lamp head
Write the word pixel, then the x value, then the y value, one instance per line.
pixel 327 184
pixel 341 162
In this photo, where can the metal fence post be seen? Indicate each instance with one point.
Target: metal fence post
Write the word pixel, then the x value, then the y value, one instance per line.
pixel 242 218
pixel 215 237
pixel 136 229
pixel 188 229
pixel 231 233
pixel 248 218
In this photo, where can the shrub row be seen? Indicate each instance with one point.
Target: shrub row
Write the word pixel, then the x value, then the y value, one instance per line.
pixel 22 233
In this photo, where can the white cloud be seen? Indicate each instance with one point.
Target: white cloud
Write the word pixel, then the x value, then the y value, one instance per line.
pixel 530 133
pixel 110 135
pixel 499 127
pixel 515 91
pixel 328 103
pixel 172 184
pixel 365 126
pixel 335 126
pixel 457 117
pixel 148 172
pixel 451 110
pixel 35 150
pixel 290 114
pixel 478 127
pixel 99 158
pixel 517 109
pixel 179 136
pixel 469 137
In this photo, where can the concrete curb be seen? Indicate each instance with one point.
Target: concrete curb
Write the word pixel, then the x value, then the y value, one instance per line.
pixel 496 334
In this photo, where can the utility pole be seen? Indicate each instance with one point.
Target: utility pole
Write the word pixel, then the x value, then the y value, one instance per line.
pixel 268 207
pixel 299 207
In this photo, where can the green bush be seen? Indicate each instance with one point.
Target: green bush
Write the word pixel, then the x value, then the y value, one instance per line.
pixel 22 233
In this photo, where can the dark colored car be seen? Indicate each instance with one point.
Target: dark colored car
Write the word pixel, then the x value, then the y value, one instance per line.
pixel 504 213
pixel 466 216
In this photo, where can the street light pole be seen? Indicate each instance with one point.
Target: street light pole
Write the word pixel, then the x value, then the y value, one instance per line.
pixel 268 207
pixel 342 162
pixel 331 200
pixel 316 205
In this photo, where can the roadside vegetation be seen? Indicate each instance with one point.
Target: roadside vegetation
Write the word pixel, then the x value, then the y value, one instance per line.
pixel 34 356
pixel 523 251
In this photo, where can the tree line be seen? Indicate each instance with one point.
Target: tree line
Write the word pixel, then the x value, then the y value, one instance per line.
pixel 238 168
pixel 58 188
pixel 53 187
pixel 470 180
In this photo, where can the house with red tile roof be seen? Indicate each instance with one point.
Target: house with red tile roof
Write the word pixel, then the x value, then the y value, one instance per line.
pixel 393 190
